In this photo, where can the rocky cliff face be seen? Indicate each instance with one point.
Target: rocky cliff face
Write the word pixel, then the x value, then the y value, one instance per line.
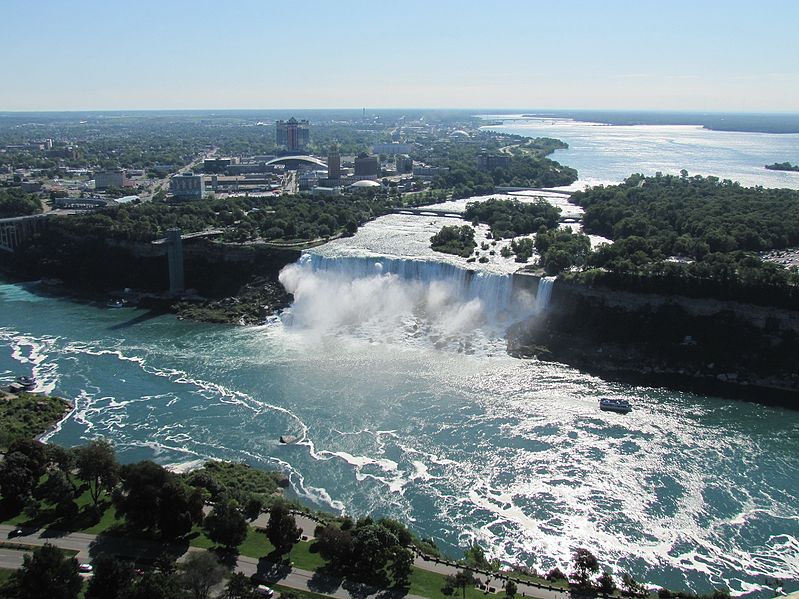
pixel 703 345
pixel 214 269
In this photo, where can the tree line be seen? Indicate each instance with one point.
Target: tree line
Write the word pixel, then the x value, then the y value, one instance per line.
pixel 692 235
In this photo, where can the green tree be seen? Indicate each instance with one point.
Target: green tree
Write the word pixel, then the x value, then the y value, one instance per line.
pixel 240 587
pixel 585 565
pixel 630 586
pixel 157 585
pixel 152 498
pixel 97 464
pixel 47 572
pixel 281 530
pixel 63 459
pixel 226 525
pixel 16 478
pixel 335 545
pixel 462 579
pixel 372 546
pixel 253 507
pixel 606 584
pixel 510 589
pixel 111 578
pixel 201 571
pixel 401 566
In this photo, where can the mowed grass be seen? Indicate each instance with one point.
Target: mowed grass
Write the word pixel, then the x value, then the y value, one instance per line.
pixel 46 517
pixel 299 593
pixel 429 584
pixel 257 545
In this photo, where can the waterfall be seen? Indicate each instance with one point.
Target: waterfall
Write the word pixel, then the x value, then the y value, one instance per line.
pixel 402 301
pixel 544 294
pixel 495 291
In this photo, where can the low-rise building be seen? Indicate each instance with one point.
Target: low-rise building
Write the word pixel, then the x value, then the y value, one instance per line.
pixel 423 171
pixel 392 149
pixel 31 186
pixel 488 162
pixel 217 165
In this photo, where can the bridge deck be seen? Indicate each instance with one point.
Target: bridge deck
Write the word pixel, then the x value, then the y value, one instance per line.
pixel 208 233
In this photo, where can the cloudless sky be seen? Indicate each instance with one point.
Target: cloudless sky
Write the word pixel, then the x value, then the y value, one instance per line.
pixel 716 55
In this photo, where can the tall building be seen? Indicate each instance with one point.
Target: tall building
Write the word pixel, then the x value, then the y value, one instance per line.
pixel 106 179
pixel 404 164
pixel 367 167
pixel 187 186
pixel 294 135
pixel 334 163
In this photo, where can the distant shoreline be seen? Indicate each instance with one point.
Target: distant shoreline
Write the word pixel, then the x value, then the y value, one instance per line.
pixel 730 122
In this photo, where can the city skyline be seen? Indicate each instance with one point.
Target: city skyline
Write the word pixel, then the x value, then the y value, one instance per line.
pixel 708 56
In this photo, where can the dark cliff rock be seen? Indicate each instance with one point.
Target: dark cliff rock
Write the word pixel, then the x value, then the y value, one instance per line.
pixel 233 283
pixel 707 346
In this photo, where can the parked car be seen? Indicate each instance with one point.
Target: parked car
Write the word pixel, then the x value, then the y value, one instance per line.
pixel 85 568
pixel 263 591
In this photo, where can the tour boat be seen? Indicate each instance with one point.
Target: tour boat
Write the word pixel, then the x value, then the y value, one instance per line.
pixel 622 406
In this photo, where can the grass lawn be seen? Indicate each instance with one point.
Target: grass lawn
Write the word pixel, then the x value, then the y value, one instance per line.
pixel 429 584
pixel 5 575
pixel 46 516
pixel 257 545
pixel 300 594
pixel 304 558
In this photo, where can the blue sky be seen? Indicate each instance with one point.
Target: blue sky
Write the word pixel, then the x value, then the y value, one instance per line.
pixel 672 55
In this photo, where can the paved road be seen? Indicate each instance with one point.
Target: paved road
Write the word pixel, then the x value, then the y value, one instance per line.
pixel 88 545
pixel 10 559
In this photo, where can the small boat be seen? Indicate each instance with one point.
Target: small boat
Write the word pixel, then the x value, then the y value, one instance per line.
pixel 622 406
pixel 115 303
pixel 287 439
pixel 26 382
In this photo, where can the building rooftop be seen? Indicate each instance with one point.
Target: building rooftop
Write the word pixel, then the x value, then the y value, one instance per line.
pixel 365 183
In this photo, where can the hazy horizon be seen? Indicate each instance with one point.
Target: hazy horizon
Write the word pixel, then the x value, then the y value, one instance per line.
pixel 475 110
pixel 711 56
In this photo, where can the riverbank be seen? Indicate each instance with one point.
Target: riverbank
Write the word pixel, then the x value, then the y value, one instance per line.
pixel 28 415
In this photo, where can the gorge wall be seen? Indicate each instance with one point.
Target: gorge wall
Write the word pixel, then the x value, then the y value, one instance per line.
pixel 214 269
pixel 714 347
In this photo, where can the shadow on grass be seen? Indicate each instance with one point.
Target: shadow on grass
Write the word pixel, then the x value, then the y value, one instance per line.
pixel 9 509
pixel 57 522
pixel 394 592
